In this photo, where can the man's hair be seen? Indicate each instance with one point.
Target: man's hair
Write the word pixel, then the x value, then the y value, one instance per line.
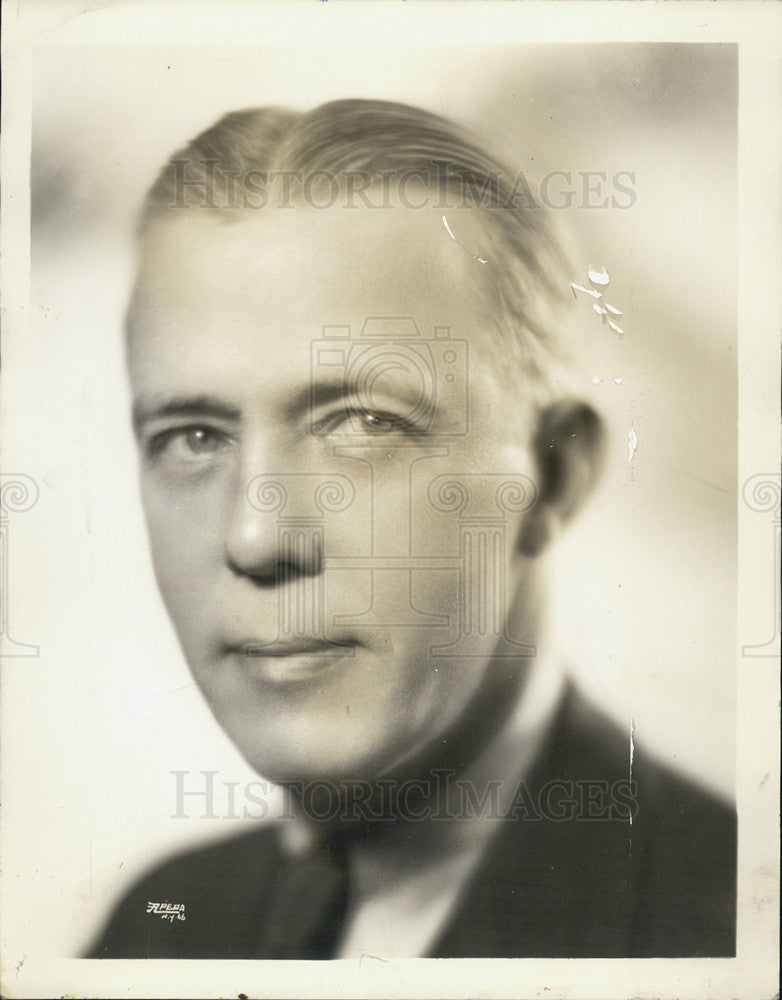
pixel 345 145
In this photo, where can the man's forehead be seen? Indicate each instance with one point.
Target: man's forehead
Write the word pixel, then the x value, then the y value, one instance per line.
pixel 392 255
pixel 216 299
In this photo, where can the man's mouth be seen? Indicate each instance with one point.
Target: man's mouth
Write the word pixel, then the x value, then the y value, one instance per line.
pixel 295 646
pixel 288 660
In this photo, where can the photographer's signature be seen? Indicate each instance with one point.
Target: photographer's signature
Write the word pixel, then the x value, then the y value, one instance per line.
pixel 168 911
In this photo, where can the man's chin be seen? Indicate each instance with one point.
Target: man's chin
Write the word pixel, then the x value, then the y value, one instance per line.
pixel 295 769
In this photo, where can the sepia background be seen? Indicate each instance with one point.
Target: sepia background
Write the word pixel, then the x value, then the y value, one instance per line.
pixel 642 587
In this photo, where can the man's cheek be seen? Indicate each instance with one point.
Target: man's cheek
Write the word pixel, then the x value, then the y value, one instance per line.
pixel 439 591
pixel 182 524
pixel 179 589
pixel 180 565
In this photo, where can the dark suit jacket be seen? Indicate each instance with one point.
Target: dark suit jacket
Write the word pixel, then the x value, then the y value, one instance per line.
pixel 577 881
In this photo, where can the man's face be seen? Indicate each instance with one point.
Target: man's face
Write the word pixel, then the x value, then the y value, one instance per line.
pixel 307 552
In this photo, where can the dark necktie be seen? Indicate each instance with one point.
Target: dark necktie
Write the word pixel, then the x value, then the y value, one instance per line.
pixel 307 914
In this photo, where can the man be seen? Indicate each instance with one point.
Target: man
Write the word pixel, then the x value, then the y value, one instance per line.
pixel 344 344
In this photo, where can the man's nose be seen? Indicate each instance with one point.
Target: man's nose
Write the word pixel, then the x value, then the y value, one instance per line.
pixel 269 536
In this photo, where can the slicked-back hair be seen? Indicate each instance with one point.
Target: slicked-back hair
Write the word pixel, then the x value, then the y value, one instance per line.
pixel 342 147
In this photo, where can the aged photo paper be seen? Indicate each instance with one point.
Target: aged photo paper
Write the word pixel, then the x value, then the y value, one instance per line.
pixel 390 499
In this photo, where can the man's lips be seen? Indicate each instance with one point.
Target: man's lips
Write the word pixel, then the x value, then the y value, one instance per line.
pixel 254 647
pixel 287 661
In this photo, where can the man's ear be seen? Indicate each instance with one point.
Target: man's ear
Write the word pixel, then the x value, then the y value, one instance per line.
pixel 569 447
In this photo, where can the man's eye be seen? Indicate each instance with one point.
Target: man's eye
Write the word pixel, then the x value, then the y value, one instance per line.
pixel 200 440
pixel 187 444
pixel 362 421
pixel 378 423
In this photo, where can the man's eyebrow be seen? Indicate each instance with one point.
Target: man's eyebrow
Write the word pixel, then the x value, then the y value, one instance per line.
pixel 340 389
pixel 317 393
pixel 152 408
